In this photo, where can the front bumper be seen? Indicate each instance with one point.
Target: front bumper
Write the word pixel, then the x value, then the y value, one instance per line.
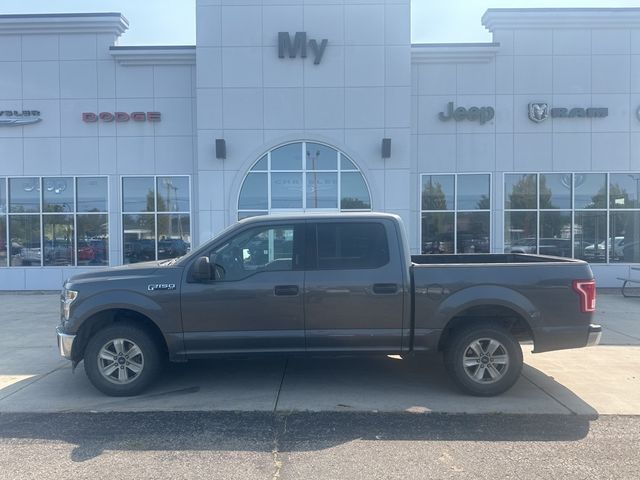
pixel 595 334
pixel 65 343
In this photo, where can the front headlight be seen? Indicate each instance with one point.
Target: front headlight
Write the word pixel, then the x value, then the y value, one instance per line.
pixel 68 298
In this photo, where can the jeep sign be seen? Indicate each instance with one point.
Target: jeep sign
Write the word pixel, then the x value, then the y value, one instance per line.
pixel 479 114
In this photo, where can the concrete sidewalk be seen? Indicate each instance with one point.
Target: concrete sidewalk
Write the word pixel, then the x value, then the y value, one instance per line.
pixel 591 381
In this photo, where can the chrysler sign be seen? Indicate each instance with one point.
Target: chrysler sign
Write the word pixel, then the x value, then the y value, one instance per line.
pixel 15 118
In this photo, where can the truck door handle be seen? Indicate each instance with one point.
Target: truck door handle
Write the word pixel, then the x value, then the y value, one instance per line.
pixel 286 290
pixel 385 288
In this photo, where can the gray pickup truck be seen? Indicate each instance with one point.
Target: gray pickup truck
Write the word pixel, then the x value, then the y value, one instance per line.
pixel 325 284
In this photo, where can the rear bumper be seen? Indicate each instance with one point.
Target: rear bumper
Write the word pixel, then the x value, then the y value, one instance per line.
pixel 595 334
pixel 65 343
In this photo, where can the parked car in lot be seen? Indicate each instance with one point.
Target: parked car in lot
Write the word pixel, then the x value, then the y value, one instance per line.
pixel 557 247
pixel 325 284
pixel 172 248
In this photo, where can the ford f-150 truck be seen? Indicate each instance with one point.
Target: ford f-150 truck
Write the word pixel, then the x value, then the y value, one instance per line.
pixel 325 284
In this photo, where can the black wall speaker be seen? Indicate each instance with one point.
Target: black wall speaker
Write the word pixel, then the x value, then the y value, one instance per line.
pixel 221 148
pixel 386 148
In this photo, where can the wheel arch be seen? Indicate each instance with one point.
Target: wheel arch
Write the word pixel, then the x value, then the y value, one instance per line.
pixel 491 305
pixel 112 316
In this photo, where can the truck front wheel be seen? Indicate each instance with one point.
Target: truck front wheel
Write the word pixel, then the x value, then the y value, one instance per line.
pixel 483 360
pixel 122 360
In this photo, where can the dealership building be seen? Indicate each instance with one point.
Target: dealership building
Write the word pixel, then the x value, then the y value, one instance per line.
pixel 119 154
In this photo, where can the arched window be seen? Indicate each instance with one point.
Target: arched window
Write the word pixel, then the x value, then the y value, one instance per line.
pixel 301 177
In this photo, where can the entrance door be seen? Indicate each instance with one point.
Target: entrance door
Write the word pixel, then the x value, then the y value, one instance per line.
pixel 254 303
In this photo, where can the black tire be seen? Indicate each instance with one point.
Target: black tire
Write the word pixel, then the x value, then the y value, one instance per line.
pixel 459 351
pixel 151 359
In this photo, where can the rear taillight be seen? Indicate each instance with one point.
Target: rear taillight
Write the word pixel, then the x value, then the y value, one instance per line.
pixel 587 291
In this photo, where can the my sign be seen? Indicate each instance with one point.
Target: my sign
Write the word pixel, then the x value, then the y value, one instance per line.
pixel 474 114
pixel 299 44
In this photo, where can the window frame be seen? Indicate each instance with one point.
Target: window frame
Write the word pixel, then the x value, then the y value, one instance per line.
pixel 155 211
pixel 41 214
pixel 607 208
pixel 304 171
pixel 455 209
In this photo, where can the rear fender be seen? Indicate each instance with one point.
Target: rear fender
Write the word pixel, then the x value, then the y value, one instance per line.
pixel 486 295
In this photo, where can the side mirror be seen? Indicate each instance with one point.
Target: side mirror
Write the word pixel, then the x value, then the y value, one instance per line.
pixel 202 270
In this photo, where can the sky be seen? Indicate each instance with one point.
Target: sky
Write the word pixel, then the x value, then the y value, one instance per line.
pixel 172 22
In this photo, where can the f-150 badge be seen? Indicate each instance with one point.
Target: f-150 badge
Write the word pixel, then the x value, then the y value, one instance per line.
pixel 161 286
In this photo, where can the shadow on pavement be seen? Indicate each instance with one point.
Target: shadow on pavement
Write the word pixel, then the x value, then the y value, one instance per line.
pixel 261 432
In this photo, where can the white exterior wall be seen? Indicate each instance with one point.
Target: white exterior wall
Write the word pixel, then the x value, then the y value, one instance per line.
pixel 358 95
pixel 371 84
pixel 65 74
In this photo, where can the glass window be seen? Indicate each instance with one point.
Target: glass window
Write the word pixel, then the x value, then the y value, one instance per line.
pixel 322 190
pixel 346 163
pixel 624 241
pixel 321 182
pixel 590 190
pixel 92 194
pixel 261 165
pixel 355 193
pixel 287 157
pixel 57 194
pixel 58 239
pixel 254 194
pixel 3 241
pixel 473 230
pixel 351 246
pixel 24 234
pixel 321 157
pixel 174 235
pixel 446 227
pixel 157 225
pixel 520 232
pixel 138 194
pixel 173 194
pixel 139 236
pixel 590 231
pixel 93 239
pixel 24 195
pixel 624 189
pixel 555 190
pixel 555 233
pixel 286 190
pixel 474 192
pixel 256 250
pixel 3 195
pixel 47 236
pixel 437 232
pixel 521 191
pixel 437 192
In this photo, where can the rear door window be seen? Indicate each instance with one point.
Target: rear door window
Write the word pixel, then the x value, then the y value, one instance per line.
pixel 346 246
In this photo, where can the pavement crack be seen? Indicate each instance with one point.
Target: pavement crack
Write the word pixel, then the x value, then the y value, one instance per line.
pixel 284 372
pixel 33 380
pixel 548 394
pixel 275 453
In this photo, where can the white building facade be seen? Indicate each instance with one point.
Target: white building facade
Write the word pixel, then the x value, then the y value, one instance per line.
pixel 112 154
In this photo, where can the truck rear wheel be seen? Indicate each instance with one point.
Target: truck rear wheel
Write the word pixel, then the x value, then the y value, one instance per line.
pixel 122 360
pixel 483 360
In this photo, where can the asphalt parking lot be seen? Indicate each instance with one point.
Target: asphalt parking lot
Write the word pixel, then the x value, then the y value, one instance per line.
pixel 590 381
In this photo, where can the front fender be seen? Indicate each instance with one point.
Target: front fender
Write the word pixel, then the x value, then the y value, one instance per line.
pixel 114 299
